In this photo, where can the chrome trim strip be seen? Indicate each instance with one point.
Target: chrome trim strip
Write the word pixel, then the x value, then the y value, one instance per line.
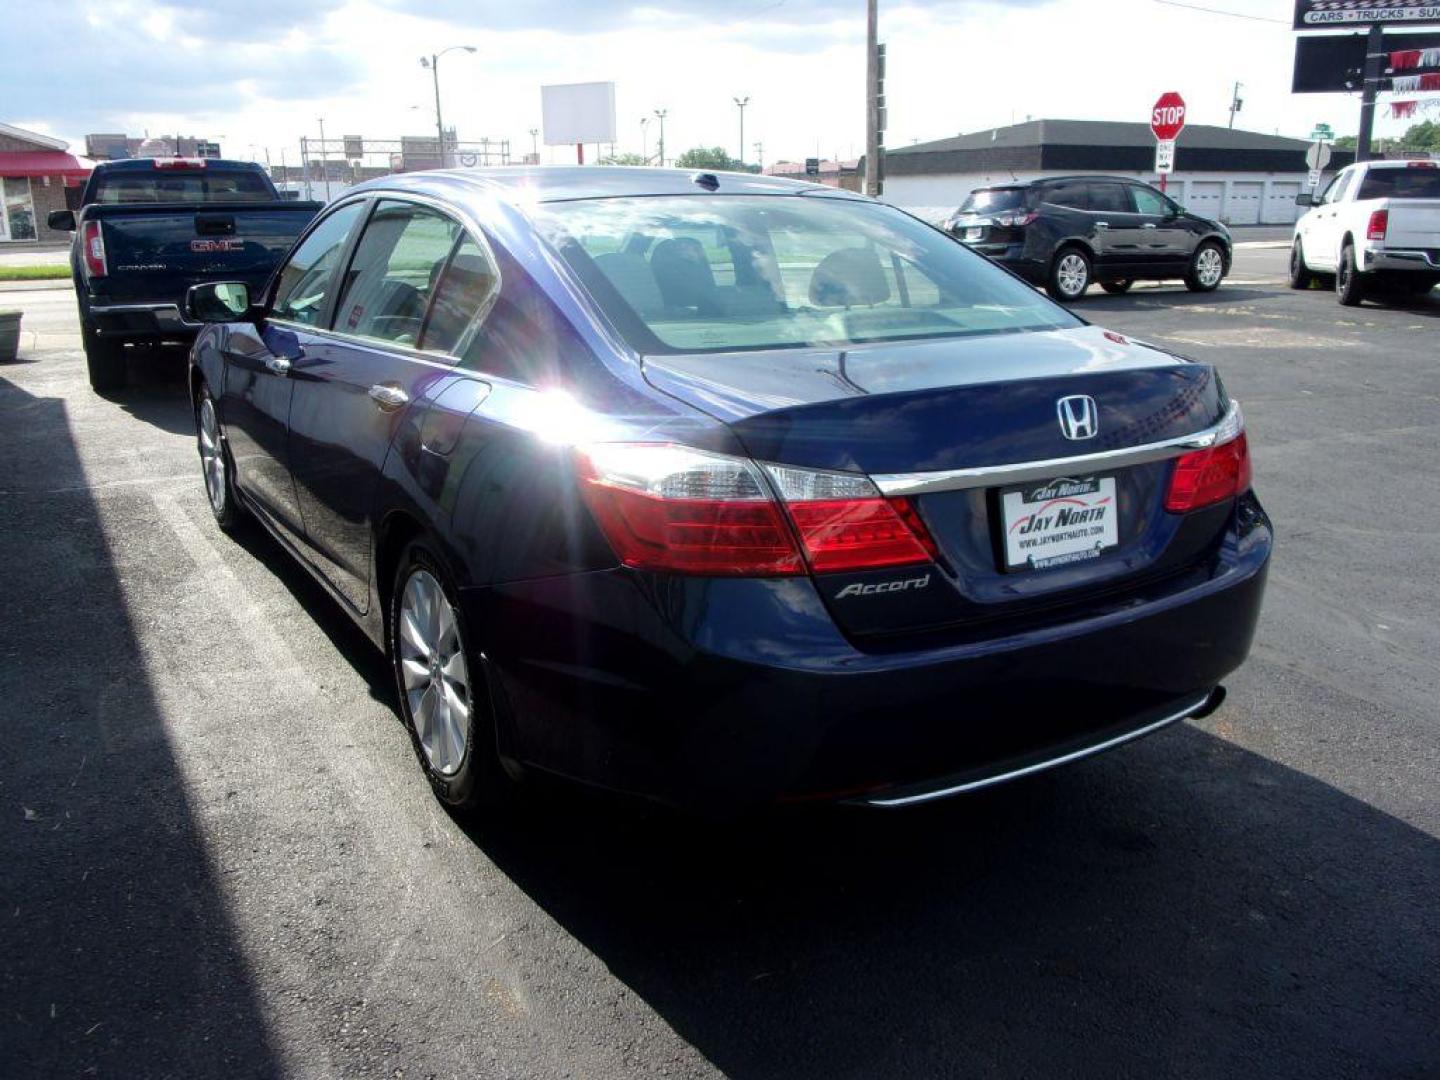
pixel 1039 766
pixel 893 484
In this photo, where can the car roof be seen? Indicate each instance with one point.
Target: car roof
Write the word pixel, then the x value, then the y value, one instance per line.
pixel 1039 180
pixel 560 183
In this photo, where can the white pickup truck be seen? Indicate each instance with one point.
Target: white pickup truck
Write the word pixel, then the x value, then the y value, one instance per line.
pixel 1376 228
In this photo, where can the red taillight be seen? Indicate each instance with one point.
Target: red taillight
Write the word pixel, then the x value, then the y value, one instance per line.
pixel 1016 221
pixel 92 246
pixel 1379 225
pixel 857 534
pixel 1206 477
pixel 687 511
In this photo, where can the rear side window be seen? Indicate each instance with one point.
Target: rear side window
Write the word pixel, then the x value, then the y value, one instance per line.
pixel 1410 183
pixel 995 200
pixel 181 186
pixel 1110 199
pixel 1074 195
pixel 397 263
pixel 306 282
pixel 467 288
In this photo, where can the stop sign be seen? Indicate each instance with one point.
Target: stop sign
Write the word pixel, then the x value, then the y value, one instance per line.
pixel 1167 119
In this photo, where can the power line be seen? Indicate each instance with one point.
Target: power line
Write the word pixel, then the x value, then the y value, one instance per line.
pixel 1218 11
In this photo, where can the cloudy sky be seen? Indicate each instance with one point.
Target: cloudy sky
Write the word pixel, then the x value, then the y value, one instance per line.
pixel 259 74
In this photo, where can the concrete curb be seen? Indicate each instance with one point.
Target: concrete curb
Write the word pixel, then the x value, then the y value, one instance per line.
pixel 39 285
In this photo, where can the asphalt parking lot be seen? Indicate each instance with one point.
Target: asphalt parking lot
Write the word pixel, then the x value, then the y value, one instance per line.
pixel 221 859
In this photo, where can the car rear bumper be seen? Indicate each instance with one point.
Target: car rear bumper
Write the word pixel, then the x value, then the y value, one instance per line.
pixel 141 321
pixel 724 694
pixel 1014 259
pixel 1424 260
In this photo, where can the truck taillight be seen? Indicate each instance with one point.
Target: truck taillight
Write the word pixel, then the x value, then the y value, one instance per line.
pixel 180 163
pixel 92 245
pixel 684 511
pixel 1379 225
pixel 1206 477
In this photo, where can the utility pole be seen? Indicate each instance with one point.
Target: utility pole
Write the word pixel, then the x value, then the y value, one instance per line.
pixel 324 160
pixel 1236 104
pixel 644 141
pixel 740 103
pixel 433 63
pixel 305 165
pixel 535 144
pixel 662 113
pixel 874 102
pixel 1375 60
pixel 760 155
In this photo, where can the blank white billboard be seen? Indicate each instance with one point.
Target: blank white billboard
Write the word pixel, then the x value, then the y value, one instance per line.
pixel 578 113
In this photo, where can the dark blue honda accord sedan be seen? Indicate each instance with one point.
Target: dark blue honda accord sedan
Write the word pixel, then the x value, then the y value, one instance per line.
pixel 727 490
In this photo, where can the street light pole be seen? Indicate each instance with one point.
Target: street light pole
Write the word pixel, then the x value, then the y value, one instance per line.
pixel 1235 103
pixel 760 155
pixel 644 142
pixel 740 104
pixel 324 160
pixel 662 113
pixel 535 144
pixel 434 65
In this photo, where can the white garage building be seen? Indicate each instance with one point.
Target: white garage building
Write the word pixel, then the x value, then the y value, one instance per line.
pixel 1240 177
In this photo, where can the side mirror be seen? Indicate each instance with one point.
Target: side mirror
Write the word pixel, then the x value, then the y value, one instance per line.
pixel 61 220
pixel 217 302
pixel 1305 199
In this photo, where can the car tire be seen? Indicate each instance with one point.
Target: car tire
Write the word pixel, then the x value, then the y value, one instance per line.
pixel 1350 283
pixel 216 466
pixel 1207 268
pixel 430 653
pixel 1117 288
pixel 1070 275
pixel 104 360
pixel 1300 275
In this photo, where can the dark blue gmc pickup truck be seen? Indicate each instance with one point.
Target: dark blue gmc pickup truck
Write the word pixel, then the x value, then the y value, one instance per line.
pixel 149 229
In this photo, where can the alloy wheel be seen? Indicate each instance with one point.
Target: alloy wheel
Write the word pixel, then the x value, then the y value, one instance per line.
pixel 212 455
pixel 433 671
pixel 1209 267
pixel 1073 274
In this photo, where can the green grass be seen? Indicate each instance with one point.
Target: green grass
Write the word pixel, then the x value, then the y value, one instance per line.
pixel 34 273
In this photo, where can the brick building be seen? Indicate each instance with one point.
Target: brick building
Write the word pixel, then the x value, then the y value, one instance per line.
pixel 36 172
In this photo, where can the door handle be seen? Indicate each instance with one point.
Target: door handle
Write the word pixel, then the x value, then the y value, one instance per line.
pixel 388 397
pixel 1152 226
pixel 1102 224
pixel 277 365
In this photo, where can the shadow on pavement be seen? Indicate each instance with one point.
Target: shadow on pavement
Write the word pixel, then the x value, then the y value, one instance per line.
pixel 117 954
pixel 1180 908
pixel 1096 304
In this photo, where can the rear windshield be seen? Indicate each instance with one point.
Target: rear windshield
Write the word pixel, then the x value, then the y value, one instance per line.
pixel 1416 183
pixel 182 186
pixel 994 200
pixel 692 274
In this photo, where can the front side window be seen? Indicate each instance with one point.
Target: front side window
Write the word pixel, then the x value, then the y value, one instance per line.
pixel 1150 202
pixel 1336 191
pixel 307 280
pixel 694 274
pixel 397 265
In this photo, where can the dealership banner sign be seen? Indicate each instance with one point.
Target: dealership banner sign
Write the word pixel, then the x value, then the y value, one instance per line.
pixel 1320 14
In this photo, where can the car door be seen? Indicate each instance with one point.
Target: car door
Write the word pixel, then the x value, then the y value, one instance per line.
pixel 1120 234
pixel 409 298
pixel 256 396
pixel 1168 243
pixel 1321 229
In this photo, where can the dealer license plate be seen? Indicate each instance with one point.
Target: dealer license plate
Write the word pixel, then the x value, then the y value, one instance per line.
pixel 1058 522
pixel 975 232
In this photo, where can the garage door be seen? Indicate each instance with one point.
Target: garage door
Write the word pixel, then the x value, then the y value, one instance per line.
pixel 1280 208
pixel 1243 206
pixel 1204 197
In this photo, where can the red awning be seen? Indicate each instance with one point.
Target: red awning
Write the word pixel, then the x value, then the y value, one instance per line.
pixel 42 163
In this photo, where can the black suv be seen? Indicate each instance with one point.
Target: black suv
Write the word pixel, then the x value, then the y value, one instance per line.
pixel 1065 232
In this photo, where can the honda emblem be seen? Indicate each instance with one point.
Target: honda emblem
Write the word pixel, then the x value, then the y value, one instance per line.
pixel 1079 417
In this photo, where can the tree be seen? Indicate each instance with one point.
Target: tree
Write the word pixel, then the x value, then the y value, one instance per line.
pixel 622 159
pixel 707 157
pixel 1346 142
pixel 1422 136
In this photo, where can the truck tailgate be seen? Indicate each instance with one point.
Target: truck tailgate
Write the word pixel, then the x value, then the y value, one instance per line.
pixel 1414 223
pixel 156 252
